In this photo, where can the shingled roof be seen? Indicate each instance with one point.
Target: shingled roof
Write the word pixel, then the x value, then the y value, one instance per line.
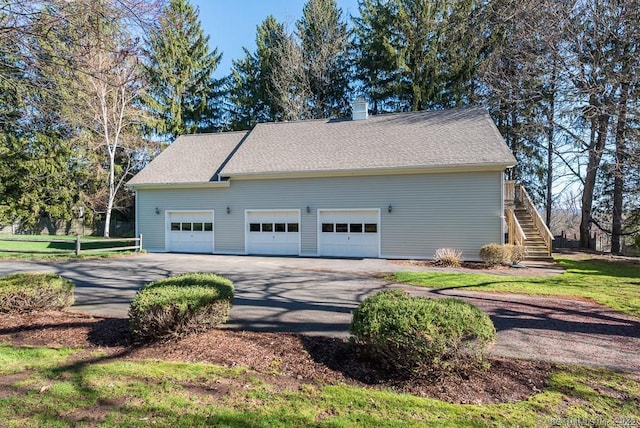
pixel 190 159
pixel 427 139
pixel 464 137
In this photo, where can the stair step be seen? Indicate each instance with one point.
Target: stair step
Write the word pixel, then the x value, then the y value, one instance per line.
pixel 536 247
pixel 540 259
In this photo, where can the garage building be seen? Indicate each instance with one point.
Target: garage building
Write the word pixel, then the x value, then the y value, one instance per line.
pixel 392 186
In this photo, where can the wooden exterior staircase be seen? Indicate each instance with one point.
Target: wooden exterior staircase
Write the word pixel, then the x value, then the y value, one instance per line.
pixel 525 226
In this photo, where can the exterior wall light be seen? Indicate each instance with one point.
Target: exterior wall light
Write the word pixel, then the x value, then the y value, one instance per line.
pixel 308 209
pixel 389 208
pixel 228 210
pixel 157 210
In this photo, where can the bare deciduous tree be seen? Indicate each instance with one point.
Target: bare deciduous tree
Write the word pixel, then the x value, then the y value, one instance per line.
pixel 290 82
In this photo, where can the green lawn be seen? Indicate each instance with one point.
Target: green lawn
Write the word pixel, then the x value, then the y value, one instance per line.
pixel 615 284
pixel 68 387
pixel 42 247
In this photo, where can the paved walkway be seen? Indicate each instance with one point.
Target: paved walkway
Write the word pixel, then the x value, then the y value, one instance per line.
pixel 316 296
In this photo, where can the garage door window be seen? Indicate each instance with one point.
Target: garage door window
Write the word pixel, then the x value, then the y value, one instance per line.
pixel 351 227
pixel 188 227
pixel 274 227
pixel 355 228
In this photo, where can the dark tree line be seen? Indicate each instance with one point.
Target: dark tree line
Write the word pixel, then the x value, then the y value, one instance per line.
pixel 89 91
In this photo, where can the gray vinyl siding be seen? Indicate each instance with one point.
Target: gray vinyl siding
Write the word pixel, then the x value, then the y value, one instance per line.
pixel 460 210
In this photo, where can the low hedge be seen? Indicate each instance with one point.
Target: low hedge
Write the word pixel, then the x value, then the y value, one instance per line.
pixel 516 253
pixel 180 305
pixel 29 292
pixel 494 254
pixel 417 336
pixel 498 254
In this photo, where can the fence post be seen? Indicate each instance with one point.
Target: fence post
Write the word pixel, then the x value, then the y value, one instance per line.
pixel 77 245
pixel 140 243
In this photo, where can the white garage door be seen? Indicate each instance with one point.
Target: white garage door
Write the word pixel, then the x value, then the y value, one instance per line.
pixel 273 232
pixel 352 233
pixel 190 232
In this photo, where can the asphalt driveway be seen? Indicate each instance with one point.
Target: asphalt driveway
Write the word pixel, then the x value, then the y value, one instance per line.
pixel 316 296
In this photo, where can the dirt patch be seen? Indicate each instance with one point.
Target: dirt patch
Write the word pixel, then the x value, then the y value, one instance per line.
pixel 7 381
pixel 285 361
pixel 95 414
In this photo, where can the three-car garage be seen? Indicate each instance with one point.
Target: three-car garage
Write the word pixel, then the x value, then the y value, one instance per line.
pixel 339 232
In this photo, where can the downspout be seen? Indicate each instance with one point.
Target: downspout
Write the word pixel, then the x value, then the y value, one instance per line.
pixel 502 212
pixel 137 226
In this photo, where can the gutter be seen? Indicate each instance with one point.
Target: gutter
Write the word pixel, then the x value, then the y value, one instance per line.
pixel 372 171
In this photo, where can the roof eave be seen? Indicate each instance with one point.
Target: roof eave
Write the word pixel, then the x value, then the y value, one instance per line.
pixel 186 185
pixel 498 166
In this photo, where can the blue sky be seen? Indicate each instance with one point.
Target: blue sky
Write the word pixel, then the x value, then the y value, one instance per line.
pixel 231 24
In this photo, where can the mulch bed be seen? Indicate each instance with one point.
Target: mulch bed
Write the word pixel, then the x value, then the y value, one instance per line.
pixel 287 361
pixel 474 267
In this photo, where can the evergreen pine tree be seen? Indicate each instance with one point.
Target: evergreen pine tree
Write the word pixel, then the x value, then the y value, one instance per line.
pixel 251 89
pixel 181 87
pixel 245 110
pixel 373 63
pixel 418 54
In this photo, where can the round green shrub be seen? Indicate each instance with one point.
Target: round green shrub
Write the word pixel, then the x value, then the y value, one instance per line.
pixel 180 305
pixel 494 254
pixel 28 292
pixel 417 336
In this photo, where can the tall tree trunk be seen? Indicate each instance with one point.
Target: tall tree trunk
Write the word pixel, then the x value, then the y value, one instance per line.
pixel 112 194
pixel 549 174
pixel 618 179
pixel 596 148
pixel 550 136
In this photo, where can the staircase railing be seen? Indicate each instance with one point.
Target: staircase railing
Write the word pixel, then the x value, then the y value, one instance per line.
pixel 515 233
pixel 523 197
pixel 509 194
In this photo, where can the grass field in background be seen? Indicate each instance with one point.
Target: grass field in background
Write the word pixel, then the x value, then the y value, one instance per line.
pixel 40 246
pixel 613 283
